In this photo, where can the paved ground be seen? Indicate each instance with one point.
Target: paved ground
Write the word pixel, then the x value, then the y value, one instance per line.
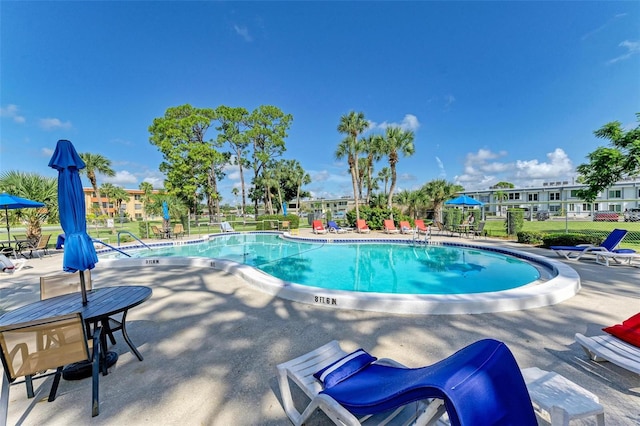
pixel 211 343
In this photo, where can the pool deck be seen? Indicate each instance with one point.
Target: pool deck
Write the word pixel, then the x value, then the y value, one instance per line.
pixel 211 343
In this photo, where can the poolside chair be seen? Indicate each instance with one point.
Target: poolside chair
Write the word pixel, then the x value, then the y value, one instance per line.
pixel 608 245
pixel 318 228
pixel 619 256
pixel 422 228
pixel 405 228
pixel 440 227
pixel 157 232
pixel 390 227
pixel 362 227
pixel 178 230
pixel 479 230
pixel 621 346
pixel 24 354
pixel 37 246
pixel 226 227
pixel 335 228
pixel 480 384
pixel 65 283
pixel 10 266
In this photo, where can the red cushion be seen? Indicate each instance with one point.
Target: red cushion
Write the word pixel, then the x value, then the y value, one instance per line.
pixel 629 330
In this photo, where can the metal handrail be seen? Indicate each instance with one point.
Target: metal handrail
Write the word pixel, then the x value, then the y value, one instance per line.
pixel 110 246
pixel 134 237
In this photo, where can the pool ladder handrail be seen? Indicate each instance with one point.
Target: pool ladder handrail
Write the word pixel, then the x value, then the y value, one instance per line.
pixel 110 246
pixel 133 236
pixel 416 236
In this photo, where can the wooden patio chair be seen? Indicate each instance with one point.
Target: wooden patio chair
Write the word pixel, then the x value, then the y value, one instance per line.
pixel 25 354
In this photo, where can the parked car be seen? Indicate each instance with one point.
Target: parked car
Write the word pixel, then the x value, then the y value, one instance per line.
pixel 632 215
pixel 606 217
pixel 542 214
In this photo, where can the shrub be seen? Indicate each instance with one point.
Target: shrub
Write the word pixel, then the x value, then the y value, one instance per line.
pixel 515 221
pixel 530 237
pixel 374 216
pixel 569 239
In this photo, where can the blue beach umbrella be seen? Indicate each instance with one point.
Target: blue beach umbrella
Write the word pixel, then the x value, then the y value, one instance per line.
pixel 464 201
pixel 8 201
pixel 165 210
pixel 79 253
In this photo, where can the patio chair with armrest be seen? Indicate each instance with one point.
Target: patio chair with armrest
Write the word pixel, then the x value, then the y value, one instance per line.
pixel 24 353
pixel 157 232
pixel 422 228
pixel 226 227
pixel 318 227
pixel 480 384
pixel 38 245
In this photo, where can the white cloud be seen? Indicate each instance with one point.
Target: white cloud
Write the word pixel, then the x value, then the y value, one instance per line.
pixel 243 32
pixel 448 101
pixel 443 172
pixel 633 48
pixel 603 26
pixel 54 123
pixel 11 111
pixel 481 170
pixel 409 122
pixel 558 166
pixel 122 178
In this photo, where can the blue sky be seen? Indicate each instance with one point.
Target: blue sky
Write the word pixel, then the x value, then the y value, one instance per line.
pixel 494 91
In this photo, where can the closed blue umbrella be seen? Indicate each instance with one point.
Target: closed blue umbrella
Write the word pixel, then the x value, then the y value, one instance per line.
pixel 8 201
pixel 165 211
pixel 79 253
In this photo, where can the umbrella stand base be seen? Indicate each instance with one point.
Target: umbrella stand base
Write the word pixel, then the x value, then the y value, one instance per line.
pixel 82 370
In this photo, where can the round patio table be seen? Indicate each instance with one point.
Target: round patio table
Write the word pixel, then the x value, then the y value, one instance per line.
pixel 101 304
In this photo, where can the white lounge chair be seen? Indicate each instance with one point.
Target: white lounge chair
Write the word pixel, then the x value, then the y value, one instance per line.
pixel 618 256
pixel 226 227
pixel 610 348
pixel 300 371
pixel 11 265
pixel 362 390
pixel 608 245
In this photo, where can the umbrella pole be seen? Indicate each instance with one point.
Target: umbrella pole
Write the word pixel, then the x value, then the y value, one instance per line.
pixel 83 288
pixel 6 216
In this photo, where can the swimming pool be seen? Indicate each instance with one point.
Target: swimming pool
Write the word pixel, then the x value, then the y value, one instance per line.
pixel 557 283
pixel 369 268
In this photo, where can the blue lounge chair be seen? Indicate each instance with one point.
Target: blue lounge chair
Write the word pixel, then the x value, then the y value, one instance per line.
pixel 608 245
pixel 480 384
pixel 333 227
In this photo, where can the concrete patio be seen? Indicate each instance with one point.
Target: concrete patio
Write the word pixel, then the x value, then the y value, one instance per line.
pixel 211 343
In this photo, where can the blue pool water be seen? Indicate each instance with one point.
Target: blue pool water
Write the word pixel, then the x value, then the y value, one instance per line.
pixel 379 268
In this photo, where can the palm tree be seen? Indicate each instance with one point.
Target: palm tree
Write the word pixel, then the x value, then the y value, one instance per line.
pixel 396 141
pixel 300 177
pixel 33 187
pixel 147 190
pixel 372 148
pixel 500 197
pixel 96 163
pixel 352 124
pixel 384 175
pixel 439 191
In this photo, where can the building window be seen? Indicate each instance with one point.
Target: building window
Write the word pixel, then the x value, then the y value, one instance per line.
pixel 554 196
pixel 615 193
pixel 514 196
pixel 554 208
pixel 572 207
pixel 615 207
pixel 586 207
pixel 533 197
pixel 573 193
pixel 138 207
pixel 137 197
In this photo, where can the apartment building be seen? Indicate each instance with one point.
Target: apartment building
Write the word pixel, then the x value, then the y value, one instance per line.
pixel 132 208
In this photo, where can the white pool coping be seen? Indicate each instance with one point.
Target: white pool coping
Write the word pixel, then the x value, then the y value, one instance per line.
pixel 564 285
